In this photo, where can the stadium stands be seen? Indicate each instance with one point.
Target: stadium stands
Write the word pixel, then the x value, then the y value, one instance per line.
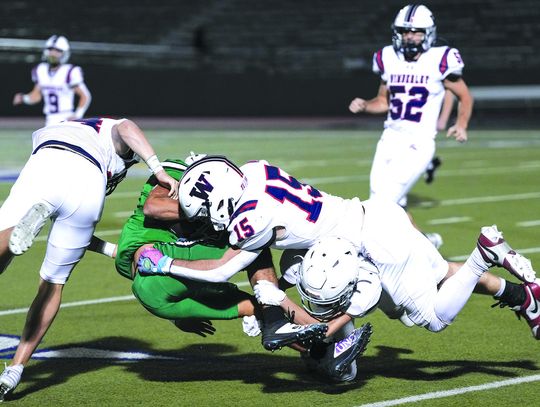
pixel 314 37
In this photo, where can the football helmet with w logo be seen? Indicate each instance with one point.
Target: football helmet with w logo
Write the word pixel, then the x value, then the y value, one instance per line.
pixel 209 190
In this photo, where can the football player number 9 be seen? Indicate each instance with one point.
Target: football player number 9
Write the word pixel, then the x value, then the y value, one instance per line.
pixel 410 111
pixel 52 100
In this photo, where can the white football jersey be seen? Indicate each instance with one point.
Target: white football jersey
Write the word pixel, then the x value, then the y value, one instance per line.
pixel 57 86
pixel 274 199
pixel 92 136
pixel 416 87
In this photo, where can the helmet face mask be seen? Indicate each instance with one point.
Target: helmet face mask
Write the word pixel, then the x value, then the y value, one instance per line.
pixel 56 51
pixel 413 18
pixel 209 190
pixel 328 277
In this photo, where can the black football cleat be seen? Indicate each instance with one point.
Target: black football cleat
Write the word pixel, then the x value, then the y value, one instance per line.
pixel 282 334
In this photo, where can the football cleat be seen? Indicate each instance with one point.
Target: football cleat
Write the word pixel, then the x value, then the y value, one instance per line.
pixel 28 228
pixel 432 167
pixel 497 252
pixel 282 334
pixel 9 379
pixel 435 239
pixel 339 360
pixel 530 309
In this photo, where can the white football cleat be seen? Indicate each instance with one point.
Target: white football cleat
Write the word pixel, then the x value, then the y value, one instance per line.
pixel 497 252
pixel 530 309
pixel 28 228
pixel 9 379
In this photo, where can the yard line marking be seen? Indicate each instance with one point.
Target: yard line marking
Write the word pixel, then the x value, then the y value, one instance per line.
pixel 521 251
pixel 529 223
pixel 455 219
pixel 454 392
pixel 91 302
pixel 481 199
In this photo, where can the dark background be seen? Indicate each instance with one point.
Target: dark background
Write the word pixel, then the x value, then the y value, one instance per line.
pixel 247 58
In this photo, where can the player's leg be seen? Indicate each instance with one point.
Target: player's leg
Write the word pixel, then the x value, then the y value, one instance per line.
pixel 491 250
pixel 5 255
pixel 23 195
pixel 175 298
pixel 398 163
pixel 77 208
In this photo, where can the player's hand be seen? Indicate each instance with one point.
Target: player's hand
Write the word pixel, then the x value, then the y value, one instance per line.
pixel 201 327
pixel 267 293
pixel 251 326
pixel 169 182
pixel 358 105
pixel 458 132
pixel 17 99
pixel 152 261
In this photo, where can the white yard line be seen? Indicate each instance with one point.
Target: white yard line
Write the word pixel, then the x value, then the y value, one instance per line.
pixel 91 302
pixel 454 392
pixel 446 221
pixel 522 251
pixel 529 223
pixel 482 199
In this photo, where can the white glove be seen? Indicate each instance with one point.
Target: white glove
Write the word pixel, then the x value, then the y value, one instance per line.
pixel 251 326
pixel 192 158
pixel 267 293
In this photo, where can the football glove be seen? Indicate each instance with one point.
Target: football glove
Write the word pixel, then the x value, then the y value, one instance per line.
pixel 152 261
pixel 267 293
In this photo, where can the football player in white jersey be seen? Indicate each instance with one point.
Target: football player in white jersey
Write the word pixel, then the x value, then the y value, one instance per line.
pixel 414 76
pixel 73 165
pixel 260 205
pixel 57 82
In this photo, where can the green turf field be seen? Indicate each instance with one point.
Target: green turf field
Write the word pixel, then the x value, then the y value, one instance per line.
pixel 85 359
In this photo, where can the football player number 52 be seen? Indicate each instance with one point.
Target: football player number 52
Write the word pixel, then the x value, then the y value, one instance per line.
pixel 407 110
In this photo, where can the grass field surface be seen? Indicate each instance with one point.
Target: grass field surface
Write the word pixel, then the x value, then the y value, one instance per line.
pixel 105 349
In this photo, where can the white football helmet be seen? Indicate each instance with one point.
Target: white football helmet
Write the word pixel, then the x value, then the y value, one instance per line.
pixel 209 190
pixel 59 43
pixel 415 18
pixel 328 276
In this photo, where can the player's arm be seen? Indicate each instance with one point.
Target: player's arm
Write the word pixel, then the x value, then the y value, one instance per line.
pixel 459 88
pixel 160 206
pixel 30 98
pixel 127 135
pixel 446 110
pixel 379 104
pixel 152 261
pixel 85 97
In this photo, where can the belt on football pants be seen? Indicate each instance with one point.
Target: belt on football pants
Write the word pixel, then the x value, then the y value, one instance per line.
pixel 62 145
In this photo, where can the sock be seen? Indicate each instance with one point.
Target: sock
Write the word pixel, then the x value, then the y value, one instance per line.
pixel 272 314
pixel 476 262
pixel 513 294
pixel 501 290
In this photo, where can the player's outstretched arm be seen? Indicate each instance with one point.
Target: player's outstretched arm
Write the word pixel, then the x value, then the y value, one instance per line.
pixel 30 98
pixel 85 97
pixel 152 261
pixel 465 106
pixel 128 135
